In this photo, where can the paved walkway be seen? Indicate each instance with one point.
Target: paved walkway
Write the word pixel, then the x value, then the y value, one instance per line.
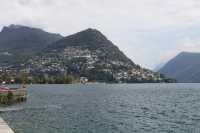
pixel 4 128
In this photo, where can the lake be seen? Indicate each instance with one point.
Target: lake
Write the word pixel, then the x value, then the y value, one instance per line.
pixel 107 108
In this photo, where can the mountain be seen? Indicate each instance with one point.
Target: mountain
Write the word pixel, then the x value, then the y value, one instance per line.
pixel 184 67
pixel 90 54
pixel 23 40
pixel 48 57
pixel 19 42
pixel 93 41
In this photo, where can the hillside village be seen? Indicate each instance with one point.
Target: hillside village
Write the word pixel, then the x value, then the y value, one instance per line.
pixel 86 61
pixel 86 54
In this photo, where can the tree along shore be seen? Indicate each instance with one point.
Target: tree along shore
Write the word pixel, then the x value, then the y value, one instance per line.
pixel 21 78
pixel 55 78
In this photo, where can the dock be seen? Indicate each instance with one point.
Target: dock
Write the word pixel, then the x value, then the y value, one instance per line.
pixel 4 128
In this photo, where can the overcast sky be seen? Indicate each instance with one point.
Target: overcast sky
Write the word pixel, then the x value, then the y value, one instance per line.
pixel 150 32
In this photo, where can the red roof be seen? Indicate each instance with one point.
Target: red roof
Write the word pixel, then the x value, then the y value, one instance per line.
pixel 4 89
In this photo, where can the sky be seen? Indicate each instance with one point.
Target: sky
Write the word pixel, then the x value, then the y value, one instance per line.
pixel 150 32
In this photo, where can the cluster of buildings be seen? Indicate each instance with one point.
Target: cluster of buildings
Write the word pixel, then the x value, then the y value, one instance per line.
pixel 79 59
pixel 138 75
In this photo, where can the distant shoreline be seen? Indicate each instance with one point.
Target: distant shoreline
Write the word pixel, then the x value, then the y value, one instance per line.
pixel 101 83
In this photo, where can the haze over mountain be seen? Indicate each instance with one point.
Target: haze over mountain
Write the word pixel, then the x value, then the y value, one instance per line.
pixel 23 40
pixel 185 67
pixel 87 53
pixel 158 67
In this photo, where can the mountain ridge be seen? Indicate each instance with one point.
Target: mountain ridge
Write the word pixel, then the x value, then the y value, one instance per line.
pixel 87 53
pixel 91 39
pixel 184 67
pixel 16 37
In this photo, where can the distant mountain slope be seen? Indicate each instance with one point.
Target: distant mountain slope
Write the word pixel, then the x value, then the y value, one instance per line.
pixel 185 67
pixel 90 54
pixel 46 57
pixel 17 39
pixel 93 41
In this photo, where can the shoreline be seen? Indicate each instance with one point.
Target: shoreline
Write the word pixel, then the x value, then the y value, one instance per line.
pixel 91 83
pixel 4 128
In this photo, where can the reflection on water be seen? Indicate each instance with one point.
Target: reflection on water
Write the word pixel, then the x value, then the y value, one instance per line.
pixel 101 108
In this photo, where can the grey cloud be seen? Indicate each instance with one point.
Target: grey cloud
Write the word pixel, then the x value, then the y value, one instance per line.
pixel 24 2
pixel 130 24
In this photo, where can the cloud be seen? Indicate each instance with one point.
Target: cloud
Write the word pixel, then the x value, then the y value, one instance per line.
pixel 146 30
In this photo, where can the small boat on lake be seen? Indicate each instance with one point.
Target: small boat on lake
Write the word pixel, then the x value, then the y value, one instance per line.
pixel 9 95
pixel 83 80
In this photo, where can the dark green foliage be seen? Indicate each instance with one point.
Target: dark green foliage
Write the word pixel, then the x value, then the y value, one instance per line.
pixel 100 76
pixel 6 98
pixel 24 78
pixel 10 96
pixel 54 79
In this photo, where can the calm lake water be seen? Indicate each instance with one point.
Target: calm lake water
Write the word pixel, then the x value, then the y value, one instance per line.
pixel 103 108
